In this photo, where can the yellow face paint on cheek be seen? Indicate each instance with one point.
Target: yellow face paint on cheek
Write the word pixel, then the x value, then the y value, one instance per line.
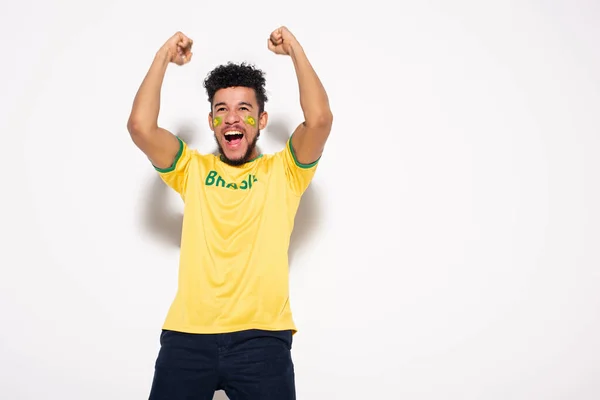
pixel 217 121
pixel 250 121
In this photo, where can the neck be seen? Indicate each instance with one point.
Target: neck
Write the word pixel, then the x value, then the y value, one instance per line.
pixel 254 154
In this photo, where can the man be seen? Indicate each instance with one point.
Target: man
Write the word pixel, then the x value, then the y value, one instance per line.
pixel 230 325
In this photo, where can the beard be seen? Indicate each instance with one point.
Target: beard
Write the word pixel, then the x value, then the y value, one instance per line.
pixel 240 161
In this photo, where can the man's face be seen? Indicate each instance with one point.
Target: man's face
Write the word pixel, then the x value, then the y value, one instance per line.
pixel 236 123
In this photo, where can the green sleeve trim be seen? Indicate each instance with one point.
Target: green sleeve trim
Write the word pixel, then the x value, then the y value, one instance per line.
pixel 298 163
pixel 177 157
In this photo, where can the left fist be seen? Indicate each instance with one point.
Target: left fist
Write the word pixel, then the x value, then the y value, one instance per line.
pixel 281 41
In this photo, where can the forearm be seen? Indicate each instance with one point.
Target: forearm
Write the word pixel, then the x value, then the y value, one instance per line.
pixel 146 105
pixel 313 97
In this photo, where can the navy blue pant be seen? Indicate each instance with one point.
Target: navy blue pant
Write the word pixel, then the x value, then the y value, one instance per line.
pixel 247 365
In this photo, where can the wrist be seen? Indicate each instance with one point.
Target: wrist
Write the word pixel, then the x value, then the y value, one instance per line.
pixel 295 48
pixel 163 55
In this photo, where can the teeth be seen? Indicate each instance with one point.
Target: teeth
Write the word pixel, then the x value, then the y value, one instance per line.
pixel 232 133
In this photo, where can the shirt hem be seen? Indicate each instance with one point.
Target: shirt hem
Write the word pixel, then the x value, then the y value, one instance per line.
pixel 227 329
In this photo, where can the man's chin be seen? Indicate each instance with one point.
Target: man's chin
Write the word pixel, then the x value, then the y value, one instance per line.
pixel 234 158
pixel 238 156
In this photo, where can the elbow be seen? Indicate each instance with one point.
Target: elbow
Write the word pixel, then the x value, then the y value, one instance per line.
pixel 326 118
pixel 323 120
pixel 135 127
pixel 138 132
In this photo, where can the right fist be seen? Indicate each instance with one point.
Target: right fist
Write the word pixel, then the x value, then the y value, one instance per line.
pixel 179 49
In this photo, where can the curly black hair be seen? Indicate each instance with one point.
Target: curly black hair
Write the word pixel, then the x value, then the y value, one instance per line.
pixel 232 74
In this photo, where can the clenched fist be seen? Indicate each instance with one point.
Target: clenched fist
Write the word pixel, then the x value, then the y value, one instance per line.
pixel 179 49
pixel 281 41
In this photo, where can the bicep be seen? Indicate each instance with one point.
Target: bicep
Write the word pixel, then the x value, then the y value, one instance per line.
pixel 308 140
pixel 159 145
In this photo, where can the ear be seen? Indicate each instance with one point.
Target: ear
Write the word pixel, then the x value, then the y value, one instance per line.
pixel 210 121
pixel 262 121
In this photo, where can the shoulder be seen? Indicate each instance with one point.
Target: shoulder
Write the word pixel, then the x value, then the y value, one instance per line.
pixel 185 156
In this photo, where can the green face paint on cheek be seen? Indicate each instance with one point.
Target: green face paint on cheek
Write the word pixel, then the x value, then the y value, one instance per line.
pixel 250 121
pixel 217 121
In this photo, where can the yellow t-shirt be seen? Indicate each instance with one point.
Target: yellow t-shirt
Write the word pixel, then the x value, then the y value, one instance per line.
pixel 233 268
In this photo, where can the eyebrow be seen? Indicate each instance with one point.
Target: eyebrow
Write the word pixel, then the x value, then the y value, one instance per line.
pixel 242 103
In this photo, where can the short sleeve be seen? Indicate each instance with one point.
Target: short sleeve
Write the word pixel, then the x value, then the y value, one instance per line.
pixel 175 176
pixel 298 175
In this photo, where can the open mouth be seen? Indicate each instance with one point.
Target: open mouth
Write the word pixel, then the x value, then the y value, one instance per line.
pixel 233 138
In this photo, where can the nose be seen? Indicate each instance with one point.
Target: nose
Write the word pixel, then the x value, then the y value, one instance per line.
pixel 232 117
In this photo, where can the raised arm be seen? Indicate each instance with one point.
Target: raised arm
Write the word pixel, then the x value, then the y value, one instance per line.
pixel 309 138
pixel 159 145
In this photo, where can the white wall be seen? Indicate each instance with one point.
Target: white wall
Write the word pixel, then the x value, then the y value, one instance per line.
pixel 447 249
